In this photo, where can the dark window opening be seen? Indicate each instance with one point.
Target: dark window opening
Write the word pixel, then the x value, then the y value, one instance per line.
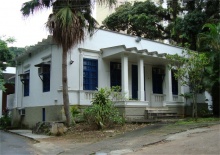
pixel 115 74
pixel 158 76
pixel 134 82
pixel 46 79
pixel 26 82
pixel 174 83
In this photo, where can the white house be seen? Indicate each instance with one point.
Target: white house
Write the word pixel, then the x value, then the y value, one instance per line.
pixel 106 59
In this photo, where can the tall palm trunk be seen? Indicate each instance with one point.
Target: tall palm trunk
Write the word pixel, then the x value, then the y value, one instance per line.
pixel 65 87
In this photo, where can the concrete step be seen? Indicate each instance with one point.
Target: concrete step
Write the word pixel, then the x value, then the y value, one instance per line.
pixel 154 113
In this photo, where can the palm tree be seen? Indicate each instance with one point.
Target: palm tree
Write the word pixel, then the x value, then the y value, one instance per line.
pixel 210 41
pixel 68 24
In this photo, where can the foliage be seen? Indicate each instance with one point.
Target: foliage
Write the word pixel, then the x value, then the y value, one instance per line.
pixel 186 96
pixel 145 19
pixel 16 50
pixel 102 113
pixel 6 58
pixel 185 28
pixel 5 55
pixel 190 70
pixel 5 122
pixel 74 110
pixel 209 42
pixel 141 19
pixel 68 23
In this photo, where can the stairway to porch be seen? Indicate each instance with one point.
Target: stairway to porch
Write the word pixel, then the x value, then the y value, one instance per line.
pixel 157 114
pixel 160 113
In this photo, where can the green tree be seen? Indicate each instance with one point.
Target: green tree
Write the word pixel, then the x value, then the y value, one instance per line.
pixel 209 42
pixel 184 29
pixel 5 58
pixel 68 23
pixel 189 69
pixel 5 54
pixel 141 19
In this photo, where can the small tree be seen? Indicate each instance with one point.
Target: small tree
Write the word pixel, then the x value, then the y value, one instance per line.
pixel 5 57
pixel 103 113
pixel 190 70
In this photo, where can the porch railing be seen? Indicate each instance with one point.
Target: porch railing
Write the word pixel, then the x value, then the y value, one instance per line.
pixel 175 97
pixel 88 95
pixel 158 97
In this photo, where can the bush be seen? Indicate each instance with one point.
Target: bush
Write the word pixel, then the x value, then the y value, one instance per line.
pixel 74 110
pixel 5 122
pixel 102 113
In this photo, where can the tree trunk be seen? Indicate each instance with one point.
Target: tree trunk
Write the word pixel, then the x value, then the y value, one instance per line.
pixel 194 107
pixel 65 87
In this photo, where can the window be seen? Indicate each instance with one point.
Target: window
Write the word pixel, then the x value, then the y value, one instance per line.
pixel 26 82
pixel 115 73
pixel 46 78
pixel 174 83
pixel 90 74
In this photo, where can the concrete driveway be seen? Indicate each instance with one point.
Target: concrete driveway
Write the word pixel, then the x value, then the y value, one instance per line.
pixel 197 141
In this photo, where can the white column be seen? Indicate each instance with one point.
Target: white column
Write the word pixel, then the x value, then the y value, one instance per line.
pixel 141 79
pixel 180 91
pixel 148 83
pixel 168 84
pixel 124 75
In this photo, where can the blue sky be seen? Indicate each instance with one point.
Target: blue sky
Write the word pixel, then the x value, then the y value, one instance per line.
pixel 26 31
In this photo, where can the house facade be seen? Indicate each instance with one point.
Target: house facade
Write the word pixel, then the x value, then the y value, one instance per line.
pixel 106 59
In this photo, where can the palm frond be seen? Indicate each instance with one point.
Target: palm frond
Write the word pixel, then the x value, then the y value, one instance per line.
pixel 109 3
pixel 67 27
pixel 34 5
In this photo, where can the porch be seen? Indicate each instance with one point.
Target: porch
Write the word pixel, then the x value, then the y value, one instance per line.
pixel 144 77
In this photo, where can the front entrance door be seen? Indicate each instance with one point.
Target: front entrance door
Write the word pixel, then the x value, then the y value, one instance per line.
pixel 115 73
pixel 134 82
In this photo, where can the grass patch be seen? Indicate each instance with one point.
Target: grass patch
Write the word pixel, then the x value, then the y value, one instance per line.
pixel 199 120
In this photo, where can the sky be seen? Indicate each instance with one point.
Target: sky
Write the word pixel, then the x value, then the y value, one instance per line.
pixel 26 31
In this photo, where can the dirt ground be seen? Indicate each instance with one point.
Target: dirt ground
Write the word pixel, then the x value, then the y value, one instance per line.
pixel 84 133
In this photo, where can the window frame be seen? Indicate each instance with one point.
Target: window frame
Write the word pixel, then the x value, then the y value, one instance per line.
pixel 90 74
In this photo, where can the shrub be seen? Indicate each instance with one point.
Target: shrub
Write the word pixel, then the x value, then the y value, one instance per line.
pixel 102 113
pixel 74 110
pixel 5 122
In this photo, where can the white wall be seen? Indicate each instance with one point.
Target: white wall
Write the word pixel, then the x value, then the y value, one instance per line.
pixel 36 95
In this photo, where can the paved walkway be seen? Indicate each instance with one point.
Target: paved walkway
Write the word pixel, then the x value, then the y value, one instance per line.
pixel 125 143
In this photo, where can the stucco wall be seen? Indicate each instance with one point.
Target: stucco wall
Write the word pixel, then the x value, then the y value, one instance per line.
pixel 36 95
pixel 34 115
